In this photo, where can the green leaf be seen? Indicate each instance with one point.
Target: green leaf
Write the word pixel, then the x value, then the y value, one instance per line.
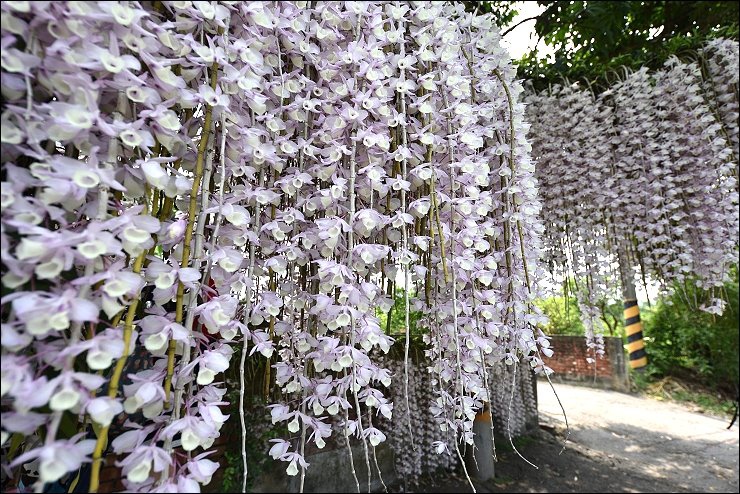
pixel 15 443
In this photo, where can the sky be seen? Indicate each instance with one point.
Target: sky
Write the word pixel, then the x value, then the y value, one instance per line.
pixel 523 38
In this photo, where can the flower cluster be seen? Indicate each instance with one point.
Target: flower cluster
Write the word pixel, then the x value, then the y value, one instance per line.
pixel 577 190
pixel 181 177
pixel 646 174
pixel 721 59
pixel 476 286
pixel 513 410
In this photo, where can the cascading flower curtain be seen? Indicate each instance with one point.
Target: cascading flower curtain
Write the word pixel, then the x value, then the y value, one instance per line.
pixel 691 217
pixel 721 64
pixel 645 172
pixel 183 179
pixel 572 146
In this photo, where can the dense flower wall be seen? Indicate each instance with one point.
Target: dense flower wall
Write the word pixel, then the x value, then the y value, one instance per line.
pixel 573 141
pixel 183 178
pixel 721 65
pixel 512 403
pixel 646 170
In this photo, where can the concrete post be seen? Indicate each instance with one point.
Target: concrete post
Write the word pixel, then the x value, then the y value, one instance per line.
pixel 481 467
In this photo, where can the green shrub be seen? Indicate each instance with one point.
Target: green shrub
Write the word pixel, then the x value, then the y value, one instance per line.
pixel 684 342
pixel 397 326
pixel 565 318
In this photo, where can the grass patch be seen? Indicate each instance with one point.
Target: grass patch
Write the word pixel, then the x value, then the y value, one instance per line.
pixel 678 391
pixel 502 480
pixel 521 442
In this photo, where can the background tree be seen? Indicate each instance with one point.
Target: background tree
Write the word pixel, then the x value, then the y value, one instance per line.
pixel 564 315
pixel 693 345
pixel 593 38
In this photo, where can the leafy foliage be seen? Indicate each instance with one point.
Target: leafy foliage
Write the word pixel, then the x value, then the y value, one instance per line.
pixel 687 343
pixel 396 326
pixel 592 39
pixel 563 314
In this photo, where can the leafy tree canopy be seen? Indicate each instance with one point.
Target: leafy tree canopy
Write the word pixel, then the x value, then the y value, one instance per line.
pixel 593 38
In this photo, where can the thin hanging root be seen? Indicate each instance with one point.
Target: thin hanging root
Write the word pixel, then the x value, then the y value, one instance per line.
pixel 350 247
pixel 406 353
pixel 472 454
pixel 524 257
pixel 375 458
pixel 272 288
pixel 405 232
pixel 508 421
pixel 243 360
pixel 454 283
pixel 486 383
pixel 359 425
pixel 357 405
pixel 377 467
pixel 565 416
pixel 454 287
pixel 349 450
pixel 465 469
pixel 268 367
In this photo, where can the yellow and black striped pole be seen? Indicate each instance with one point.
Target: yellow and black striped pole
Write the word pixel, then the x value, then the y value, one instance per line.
pixel 633 330
pixel 632 324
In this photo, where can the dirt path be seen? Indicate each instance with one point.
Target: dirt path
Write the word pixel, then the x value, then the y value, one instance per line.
pixel 672 447
pixel 618 443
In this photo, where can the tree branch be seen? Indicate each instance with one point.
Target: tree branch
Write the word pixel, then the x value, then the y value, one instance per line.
pixel 518 24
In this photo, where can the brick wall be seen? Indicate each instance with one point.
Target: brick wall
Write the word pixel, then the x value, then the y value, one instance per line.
pixel 570 364
pixel 110 476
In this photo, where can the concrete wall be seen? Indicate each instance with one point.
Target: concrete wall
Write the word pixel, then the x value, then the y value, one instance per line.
pixel 570 365
pixel 330 471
